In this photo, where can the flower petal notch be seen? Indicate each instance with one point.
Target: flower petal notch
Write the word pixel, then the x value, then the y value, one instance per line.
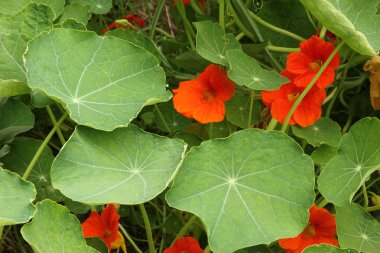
pixel 103 82
pixel 226 182
pixel 358 157
pixel 126 166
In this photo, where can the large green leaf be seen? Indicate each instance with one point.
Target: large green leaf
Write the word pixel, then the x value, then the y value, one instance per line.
pixel 97 6
pixel 15 32
pixel 54 229
pixel 358 156
pixel 242 188
pixel 10 88
pixel 354 21
pixel 16 197
pixel 11 7
pixel 357 229
pixel 323 131
pixel 245 71
pixel 15 118
pixel 325 248
pixel 103 81
pixel 213 43
pixel 126 166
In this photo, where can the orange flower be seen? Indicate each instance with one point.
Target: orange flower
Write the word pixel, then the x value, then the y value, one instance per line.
pixel 203 98
pixel 185 244
pixel 131 18
pixel 321 229
pixel 105 226
pixel 280 101
pixel 306 64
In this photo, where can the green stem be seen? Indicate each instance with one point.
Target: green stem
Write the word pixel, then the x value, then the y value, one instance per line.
pixel 239 36
pixel 163 119
pixel 196 8
pixel 251 95
pixel 221 14
pixel 156 16
pixel 42 147
pixel 372 208
pixel 323 203
pixel 365 195
pixel 275 28
pixel 54 121
pixel 158 30
pixel 238 23
pixel 130 240
pixel 185 228
pixel 348 124
pixel 210 130
pixel 188 27
pixel 322 33
pixel 148 230
pixel 207 249
pixel 310 85
pixel 283 49
pixel 272 124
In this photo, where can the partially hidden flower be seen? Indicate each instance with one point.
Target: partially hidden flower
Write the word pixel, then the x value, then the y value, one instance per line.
pixel 203 97
pixel 306 63
pixel 105 226
pixel 329 35
pixel 186 244
pixel 131 20
pixel 321 229
pixel 281 100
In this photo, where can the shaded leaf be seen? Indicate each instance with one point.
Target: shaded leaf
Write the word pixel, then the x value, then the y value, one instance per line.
pixel 9 88
pixel 323 154
pixel 172 119
pixel 238 109
pixel 191 61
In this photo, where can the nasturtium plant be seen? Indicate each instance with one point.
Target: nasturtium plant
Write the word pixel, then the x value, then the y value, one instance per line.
pixel 96 6
pixel 224 183
pixel 10 88
pixel 325 248
pixel 13 7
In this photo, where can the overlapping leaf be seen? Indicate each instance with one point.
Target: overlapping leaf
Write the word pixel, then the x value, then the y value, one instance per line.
pixel 358 156
pixel 354 21
pixel 243 111
pixel 357 229
pixel 167 119
pixel 54 229
pixel 325 248
pixel 16 196
pixel 76 11
pixel 126 166
pixel 103 81
pixel 242 188
pixel 11 7
pixel 97 6
pixel 10 88
pixel 213 43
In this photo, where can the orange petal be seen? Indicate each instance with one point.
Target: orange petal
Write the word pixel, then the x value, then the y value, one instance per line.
pixel 93 226
pixel 210 112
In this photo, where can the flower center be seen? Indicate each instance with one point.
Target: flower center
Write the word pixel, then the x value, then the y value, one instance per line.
pixel 315 65
pixel 208 96
pixel 309 230
pixel 293 97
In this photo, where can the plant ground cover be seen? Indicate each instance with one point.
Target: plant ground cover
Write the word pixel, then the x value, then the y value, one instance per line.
pixel 189 126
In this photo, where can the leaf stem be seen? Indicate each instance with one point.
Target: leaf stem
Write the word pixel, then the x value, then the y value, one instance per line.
pixel 130 240
pixel 373 208
pixel 188 27
pixel 323 203
pixel 282 49
pixel 210 130
pixel 322 33
pixel 365 195
pixel 348 123
pixel 42 147
pixel 221 14
pixel 148 230
pixel 163 119
pixel 156 16
pixel 196 8
pixel 275 28
pixel 185 228
pixel 54 121
pixel 272 124
pixel 310 85
pixel 251 95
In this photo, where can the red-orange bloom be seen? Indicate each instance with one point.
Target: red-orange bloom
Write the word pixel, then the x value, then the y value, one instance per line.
pixel 104 226
pixel 320 230
pixel 185 244
pixel 203 98
pixel 306 63
pixel 280 101
pixel 131 18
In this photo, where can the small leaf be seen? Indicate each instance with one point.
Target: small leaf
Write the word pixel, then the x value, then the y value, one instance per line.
pixel 323 131
pixel 325 248
pixel 323 154
pixel 104 82
pixel 172 119
pixel 11 7
pixel 238 109
pixel 358 156
pixel 191 61
pixel 131 166
pixel 245 186
pixel 213 43
pixel 357 229
pixel 15 118
pixel 76 11
pixel 40 100
pixel 9 88
pixel 245 71
pixel 97 6
pixel 54 229
pixel 353 21
pixel 16 197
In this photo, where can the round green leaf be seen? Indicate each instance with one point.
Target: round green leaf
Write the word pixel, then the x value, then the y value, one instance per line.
pixel 11 7
pixel 245 71
pixel 325 248
pixel 357 229
pixel 358 156
pixel 242 188
pixel 10 88
pixel 355 22
pixel 126 166
pixel 213 43
pixel 323 131
pixel 16 197
pixel 76 11
pixel 103 81
pixel 54 229
pixel 97 6
pixel 241 108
